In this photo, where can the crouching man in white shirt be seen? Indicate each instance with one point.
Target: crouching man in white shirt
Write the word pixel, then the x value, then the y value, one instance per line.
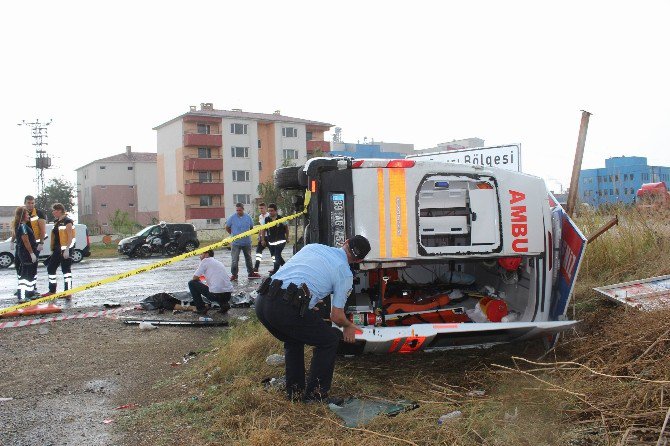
pixel 218 286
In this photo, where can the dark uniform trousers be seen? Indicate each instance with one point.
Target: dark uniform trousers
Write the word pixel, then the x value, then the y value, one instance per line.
pixel 259 255
pixel 199 289
pixel 56 259
pixel 284 322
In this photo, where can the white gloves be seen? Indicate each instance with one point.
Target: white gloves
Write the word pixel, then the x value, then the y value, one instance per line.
pixel 33 257
pixel 40 247
pixel 12 246
pixel 66 253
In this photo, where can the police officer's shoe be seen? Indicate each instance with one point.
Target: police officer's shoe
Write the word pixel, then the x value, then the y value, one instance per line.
pixel 324 400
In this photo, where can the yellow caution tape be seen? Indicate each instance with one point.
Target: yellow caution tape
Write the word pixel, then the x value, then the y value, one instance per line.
pixel 160 264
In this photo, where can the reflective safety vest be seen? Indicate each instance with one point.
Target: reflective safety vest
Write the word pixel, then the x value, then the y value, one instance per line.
pixel 34 224
pixel 60 232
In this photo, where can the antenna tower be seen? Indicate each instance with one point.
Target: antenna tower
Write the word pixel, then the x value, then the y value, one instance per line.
pixel 42 159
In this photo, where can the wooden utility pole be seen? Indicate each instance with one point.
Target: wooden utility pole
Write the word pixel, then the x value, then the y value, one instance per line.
pixel 577 166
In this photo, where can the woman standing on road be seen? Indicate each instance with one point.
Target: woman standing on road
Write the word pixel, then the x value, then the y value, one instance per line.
pixel 26 251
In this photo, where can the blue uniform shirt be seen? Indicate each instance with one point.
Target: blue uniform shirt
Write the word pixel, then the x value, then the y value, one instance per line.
pixel 239 225
pixel 21 230
pixel 323 269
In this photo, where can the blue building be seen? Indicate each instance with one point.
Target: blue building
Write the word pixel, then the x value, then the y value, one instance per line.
pixel 372 150
pixel 619 180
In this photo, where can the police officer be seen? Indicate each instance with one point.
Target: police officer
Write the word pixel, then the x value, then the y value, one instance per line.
pixel 62 245
pixel 286 305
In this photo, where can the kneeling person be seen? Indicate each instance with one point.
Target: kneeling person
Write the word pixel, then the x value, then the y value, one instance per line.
pixel 218 286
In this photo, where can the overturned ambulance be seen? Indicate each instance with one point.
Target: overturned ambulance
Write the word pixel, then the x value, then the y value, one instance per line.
pixel 461 255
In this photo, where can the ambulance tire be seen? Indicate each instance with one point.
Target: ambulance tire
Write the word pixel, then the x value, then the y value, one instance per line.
pixel 286 178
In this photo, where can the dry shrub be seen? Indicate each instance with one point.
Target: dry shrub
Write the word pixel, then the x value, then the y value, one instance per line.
pixel 636 248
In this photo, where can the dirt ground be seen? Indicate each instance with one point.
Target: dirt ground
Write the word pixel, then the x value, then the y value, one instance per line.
pixel 67 377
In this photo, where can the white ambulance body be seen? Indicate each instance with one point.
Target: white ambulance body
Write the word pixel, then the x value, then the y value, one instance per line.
pixel 447 229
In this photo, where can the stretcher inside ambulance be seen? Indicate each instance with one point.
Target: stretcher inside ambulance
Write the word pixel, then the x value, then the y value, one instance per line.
pixel 461 255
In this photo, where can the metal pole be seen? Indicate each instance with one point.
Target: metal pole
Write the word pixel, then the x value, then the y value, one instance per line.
pixel 577 166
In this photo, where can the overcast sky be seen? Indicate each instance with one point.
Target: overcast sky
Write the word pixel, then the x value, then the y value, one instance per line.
pixel 412 72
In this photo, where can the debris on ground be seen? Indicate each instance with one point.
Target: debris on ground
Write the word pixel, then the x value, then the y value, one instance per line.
pixel 183 322
pixel 242 300
pixel 645 294
pixel 358 412
pixel 449 417
pixel 108 421
pixel 274 383
pixel 476 393
pixel 127 406
pixel 275 359
pixel 2 400
pixel 188 356
pixel 147 326
pixel 512 416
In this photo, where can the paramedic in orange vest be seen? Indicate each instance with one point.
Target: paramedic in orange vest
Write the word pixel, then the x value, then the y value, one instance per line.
pixel 38 225
pixel 62 245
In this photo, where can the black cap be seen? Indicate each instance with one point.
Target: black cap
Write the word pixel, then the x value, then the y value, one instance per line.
pixel 360 246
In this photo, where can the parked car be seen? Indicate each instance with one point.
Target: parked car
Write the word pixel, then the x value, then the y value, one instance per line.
pixel 186 242
pixel 460 255
pixel 82 246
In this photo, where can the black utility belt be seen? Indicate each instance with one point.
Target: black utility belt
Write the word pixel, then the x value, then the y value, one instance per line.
pixel 294 295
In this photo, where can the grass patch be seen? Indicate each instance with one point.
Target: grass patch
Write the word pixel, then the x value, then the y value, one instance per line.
pixel 101 251
pixel 608 382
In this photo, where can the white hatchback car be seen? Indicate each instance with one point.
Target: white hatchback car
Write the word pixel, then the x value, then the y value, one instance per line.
pixel 81 249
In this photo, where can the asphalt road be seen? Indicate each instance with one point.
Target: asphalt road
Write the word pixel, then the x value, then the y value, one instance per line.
pixel 172 278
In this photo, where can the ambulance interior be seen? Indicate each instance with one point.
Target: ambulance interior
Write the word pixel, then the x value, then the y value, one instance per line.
pixel 496 289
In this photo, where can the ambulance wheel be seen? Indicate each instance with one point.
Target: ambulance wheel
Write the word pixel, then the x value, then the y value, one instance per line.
pixel 287 178
pixel 6 259
pixel 77 256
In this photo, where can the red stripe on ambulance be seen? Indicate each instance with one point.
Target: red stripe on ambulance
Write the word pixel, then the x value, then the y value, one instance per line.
pixel 519 221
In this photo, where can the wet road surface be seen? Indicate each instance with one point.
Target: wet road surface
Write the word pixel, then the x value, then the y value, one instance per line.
pixel 171 278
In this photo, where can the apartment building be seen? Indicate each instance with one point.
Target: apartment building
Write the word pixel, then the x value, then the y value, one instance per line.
pixel 619 180
pixel 210 159
pixel 126 182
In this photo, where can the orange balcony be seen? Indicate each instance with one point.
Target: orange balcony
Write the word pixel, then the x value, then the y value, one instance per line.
pixel 195 187
pixel 195 163
pixel 193 212
pixel 202 140
pixel 313 146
